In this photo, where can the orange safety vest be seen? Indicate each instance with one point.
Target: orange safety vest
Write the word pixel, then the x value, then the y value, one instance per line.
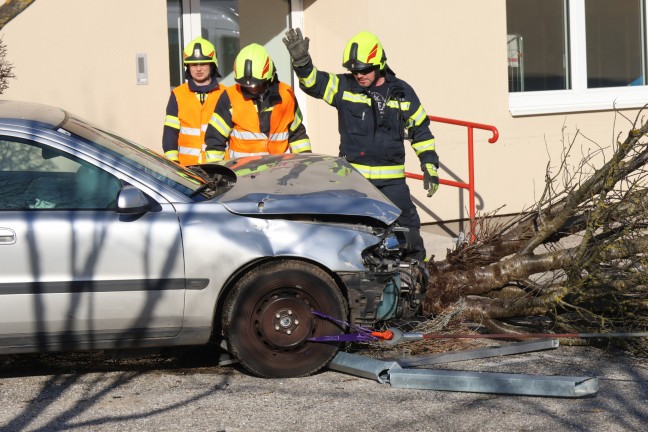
pixel 194 118
pixel 246 136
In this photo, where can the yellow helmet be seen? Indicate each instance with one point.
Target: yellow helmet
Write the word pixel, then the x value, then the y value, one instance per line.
pixel 200 50
pixel 253 66
pixel 364 51
pixel 254 70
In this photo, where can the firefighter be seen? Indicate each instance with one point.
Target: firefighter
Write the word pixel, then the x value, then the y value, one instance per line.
pixel 377 112
pixel 191 105
pixel 259 114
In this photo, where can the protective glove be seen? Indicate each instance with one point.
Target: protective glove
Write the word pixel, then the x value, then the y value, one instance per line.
pixel 297 47
pixel 430 178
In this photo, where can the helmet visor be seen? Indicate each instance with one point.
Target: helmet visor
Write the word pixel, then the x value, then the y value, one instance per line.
pixel 253 86
pixel 363 71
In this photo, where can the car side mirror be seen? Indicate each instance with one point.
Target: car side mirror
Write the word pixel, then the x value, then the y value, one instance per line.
pixel 132 201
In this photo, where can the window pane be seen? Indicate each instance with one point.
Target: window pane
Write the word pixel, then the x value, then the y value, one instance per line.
pixel 174 26
pixel 220 25
pixel 35 177
pixel 615 54
pixel 537 45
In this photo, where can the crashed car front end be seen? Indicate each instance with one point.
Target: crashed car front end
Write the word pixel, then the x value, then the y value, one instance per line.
pixel 391 287
pixel 320 191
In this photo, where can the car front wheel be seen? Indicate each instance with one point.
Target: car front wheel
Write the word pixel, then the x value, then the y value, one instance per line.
pixel 268 319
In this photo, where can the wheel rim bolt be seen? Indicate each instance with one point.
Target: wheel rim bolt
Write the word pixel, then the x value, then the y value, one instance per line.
pixel 285 322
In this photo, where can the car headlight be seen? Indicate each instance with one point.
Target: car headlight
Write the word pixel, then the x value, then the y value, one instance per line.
pixel 386 255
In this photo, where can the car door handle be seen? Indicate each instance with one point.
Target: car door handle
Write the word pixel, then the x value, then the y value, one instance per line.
pixel 7 236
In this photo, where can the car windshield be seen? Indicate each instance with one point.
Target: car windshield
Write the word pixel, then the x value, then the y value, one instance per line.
pixel 141 158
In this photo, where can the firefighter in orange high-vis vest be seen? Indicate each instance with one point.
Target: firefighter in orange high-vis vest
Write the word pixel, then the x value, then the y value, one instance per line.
pixel 191 105
pixel 258 115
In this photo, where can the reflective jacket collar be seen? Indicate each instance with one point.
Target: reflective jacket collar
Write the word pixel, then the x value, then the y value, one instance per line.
pixel 274 97
pixel 213 85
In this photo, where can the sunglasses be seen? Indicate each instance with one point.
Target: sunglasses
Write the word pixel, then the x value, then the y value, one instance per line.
pixel 366 71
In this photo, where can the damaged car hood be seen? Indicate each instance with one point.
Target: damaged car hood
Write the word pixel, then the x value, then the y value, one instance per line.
pixel 304 184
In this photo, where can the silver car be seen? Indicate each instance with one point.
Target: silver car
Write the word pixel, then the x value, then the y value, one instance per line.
pixel 104 244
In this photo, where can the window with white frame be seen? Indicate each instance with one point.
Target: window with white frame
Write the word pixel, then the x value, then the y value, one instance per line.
pixel 215 20
pixel 230 25
pixel 576 55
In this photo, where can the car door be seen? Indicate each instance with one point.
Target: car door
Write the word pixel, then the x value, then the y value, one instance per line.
pixel 73 271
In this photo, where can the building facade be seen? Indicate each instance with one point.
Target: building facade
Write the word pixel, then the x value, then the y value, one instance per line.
pixel 545 73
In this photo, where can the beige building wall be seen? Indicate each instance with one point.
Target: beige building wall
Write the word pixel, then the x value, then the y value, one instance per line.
pixel 81 55
pixel 454 55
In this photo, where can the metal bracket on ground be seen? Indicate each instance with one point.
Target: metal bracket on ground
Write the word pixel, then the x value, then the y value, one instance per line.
pixel 453 356
pixel 397 375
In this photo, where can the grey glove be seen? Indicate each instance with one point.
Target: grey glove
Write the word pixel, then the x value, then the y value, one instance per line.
pixel 430 178
pixel 297 47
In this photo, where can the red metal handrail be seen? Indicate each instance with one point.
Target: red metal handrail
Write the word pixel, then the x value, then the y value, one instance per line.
pixel 471 163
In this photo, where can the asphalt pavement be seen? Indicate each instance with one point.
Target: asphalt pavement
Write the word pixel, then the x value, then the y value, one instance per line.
pixel 190 392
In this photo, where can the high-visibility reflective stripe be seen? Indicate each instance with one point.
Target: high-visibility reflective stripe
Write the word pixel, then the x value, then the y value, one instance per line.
pixel 281 136
pixel 172 121
pixel 190 131
pixel 381 172
pixel 300 146
pixel 214 155
pixel 233 154
pixel 171 154
pixel 402 105
pixel 297 121
pixel 244 135
pixel 356 98
pixel 418 117
pixel 309 81
pixel 220 125
pixel 189 151
pixel 331 88
pixel 422 146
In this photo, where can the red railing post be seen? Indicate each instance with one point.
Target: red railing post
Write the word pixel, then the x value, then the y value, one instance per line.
pixel 471 126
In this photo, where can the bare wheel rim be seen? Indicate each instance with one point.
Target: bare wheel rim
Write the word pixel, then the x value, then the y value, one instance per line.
pixel 270 320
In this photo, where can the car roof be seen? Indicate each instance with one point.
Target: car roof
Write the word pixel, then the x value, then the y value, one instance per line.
pixel 32 112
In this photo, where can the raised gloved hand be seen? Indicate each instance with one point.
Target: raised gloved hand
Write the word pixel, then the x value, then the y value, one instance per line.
pixel 430 178
pixel 297 47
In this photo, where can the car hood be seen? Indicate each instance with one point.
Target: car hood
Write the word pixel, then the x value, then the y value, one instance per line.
pixel 304 184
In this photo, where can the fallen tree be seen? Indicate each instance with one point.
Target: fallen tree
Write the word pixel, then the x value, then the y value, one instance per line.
pixel 576 262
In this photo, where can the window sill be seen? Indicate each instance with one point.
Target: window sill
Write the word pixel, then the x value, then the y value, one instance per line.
pixel 569 101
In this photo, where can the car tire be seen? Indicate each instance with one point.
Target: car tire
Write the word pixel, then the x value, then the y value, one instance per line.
pixel 267 319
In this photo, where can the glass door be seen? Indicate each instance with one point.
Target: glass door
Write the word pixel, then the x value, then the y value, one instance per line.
pixel 229 25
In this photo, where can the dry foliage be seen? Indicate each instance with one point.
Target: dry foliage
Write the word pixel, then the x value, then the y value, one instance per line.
pixel 576 262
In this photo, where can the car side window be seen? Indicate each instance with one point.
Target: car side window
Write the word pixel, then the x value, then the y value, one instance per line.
pixel 38 177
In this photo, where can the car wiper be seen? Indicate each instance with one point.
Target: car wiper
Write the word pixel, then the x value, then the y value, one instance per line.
pixel 195 169
pixel 212 184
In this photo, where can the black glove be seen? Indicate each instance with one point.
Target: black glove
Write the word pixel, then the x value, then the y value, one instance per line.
pixel 297 47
